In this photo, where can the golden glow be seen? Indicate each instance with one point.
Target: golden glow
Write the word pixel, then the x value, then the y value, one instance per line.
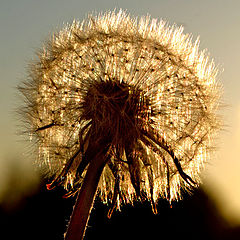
pixel 164 63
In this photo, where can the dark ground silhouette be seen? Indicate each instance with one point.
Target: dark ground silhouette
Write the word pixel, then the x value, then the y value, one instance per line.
pixel 45 214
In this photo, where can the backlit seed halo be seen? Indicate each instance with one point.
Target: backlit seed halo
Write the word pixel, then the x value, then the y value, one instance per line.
pixel 141 88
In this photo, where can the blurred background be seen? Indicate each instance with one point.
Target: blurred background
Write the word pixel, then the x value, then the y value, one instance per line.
pixel 213 211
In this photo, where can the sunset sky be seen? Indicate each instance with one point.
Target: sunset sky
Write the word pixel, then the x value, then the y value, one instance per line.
pixel 25 24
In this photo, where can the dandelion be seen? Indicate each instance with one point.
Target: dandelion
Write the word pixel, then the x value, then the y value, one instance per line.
pixel 124 108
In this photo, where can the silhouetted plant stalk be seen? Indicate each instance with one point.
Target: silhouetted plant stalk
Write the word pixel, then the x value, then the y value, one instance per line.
pixel 122 108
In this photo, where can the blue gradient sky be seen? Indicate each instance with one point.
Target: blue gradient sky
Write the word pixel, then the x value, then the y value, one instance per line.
pixel 24 24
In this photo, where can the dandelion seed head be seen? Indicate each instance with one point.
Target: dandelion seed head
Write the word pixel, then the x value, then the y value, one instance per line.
pixel 140 85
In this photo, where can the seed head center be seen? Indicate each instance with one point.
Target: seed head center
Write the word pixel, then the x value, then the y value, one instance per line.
pixel 114 109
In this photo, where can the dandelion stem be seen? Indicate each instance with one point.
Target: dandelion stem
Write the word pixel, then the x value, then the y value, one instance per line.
pixel 86 196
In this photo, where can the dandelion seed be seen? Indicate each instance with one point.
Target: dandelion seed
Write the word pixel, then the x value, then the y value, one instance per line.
pixel 124 108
